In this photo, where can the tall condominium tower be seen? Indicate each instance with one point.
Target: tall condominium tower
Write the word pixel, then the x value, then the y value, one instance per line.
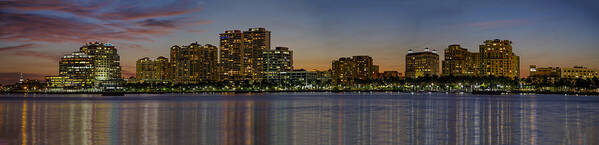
pixel 144 69
pixel 277 61
pixel 347 69
pixel 106 63
pixel 194 63
pixel 460 62
pixel 421 64
pixel 241 53
pixel 364 67
pixel 162 68
pixel 231 59
pixel 148 70
pixel 497 59
pixel 344 71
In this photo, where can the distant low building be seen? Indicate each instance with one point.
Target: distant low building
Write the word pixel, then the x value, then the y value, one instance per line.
pixel 391 74
pixel 579 72
pixel 545 72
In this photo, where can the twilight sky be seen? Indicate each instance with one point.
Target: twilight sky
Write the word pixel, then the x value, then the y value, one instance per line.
pixel 35 33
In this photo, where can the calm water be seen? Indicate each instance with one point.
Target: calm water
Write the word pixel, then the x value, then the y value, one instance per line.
pixel 303 119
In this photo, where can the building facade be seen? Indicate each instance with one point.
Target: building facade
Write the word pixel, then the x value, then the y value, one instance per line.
pixel 153 71
pixel 106 65
pixel 497 59
pixel 256 41
pixel 579 72
pixel 346 70
pixel 231 55
pixel 241 55
pixel 194 63
pixel 421 64
pixel 364 67
pixel 545 72
pixel 460 62
pixel 276 61
pixel 75 72
pixel 144 69
pixel 162 69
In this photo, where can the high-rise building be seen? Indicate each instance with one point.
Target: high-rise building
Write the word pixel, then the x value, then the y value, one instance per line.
pixel 364 67
pixel 277 61
pixel 148 70
pixel 497 59
pixel 460 62
pixel 162 69
pixel 144 69
pixel 421 64
pixel 231 58
pixel 347 69
pixel 194 63
pixel 579 72
pixel 75 72
pixel 106 65
pixel 344 71
pixel 241 53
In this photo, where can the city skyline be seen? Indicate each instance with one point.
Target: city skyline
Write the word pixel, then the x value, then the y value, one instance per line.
pixel 567 38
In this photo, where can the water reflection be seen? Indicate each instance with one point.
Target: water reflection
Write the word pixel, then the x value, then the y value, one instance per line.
pixel 306 120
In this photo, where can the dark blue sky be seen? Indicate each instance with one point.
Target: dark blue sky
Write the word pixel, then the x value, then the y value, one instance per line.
pixel 545 32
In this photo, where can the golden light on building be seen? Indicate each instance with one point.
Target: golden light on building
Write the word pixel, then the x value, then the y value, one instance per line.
pixel 497 59
pixel 364 66
pixel 346 70
pixel 231 59
pixel 153 71
pixel 241 53
pixel 579 72
pixel 106 63
pixel 460 62
pixel 194 63
pixel 421 64
pixel 76 71
pixel 276 62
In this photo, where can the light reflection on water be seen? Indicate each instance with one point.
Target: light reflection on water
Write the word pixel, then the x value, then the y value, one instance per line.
pixel 304 119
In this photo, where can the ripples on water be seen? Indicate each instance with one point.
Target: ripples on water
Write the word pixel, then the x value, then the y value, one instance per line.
pixel 304 119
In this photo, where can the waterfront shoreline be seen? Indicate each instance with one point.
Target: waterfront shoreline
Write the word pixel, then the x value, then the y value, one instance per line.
pixel 496 93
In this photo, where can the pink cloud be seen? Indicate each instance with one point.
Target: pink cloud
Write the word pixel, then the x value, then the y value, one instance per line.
pixel 22 46
pixel 47 56
pixel 122 22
